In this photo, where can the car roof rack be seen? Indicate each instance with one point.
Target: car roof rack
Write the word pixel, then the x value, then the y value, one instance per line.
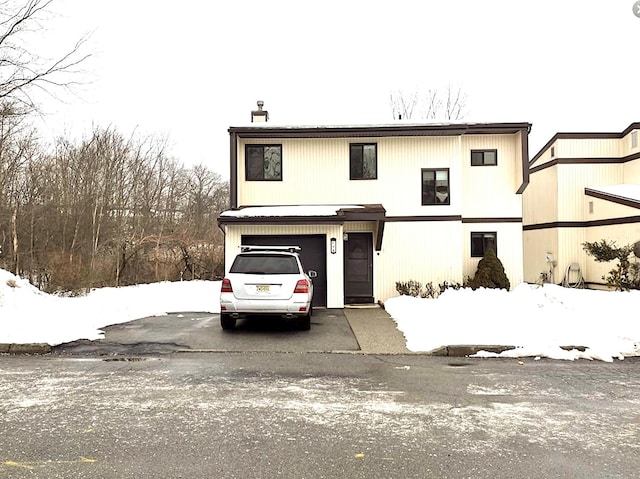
pixel 290 249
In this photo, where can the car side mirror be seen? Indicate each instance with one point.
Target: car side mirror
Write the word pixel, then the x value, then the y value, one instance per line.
pixel 313 274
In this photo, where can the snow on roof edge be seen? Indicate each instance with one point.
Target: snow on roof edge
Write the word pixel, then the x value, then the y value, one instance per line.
pixel 280 211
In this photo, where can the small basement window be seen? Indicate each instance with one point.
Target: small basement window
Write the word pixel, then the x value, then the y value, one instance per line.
pixel 481 242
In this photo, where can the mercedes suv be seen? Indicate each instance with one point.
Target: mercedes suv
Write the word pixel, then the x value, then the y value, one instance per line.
pixel 267 280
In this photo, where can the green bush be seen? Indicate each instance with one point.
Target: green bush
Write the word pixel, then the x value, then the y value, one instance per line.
pixel 415 288
pixel 490 273
pixel 626 275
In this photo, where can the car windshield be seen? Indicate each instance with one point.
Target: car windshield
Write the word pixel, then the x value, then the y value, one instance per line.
pixel 265 264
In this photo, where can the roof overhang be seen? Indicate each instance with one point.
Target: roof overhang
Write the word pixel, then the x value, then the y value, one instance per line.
pixel 396 129
pixel 627 195
pixel 584 136
pixel 307 215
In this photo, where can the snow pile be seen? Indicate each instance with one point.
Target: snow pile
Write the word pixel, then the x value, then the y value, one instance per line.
pixel 537 320
pixel 28 315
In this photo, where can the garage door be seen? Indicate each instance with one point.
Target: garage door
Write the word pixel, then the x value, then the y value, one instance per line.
pixel 313 256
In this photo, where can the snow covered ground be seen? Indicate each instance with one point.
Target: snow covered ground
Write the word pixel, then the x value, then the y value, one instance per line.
pixel 537 320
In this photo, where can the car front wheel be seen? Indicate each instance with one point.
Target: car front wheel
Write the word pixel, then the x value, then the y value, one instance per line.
pixel 227 322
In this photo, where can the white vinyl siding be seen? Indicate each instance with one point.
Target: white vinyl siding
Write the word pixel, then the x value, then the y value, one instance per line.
pixel 420 251
pixel 631 171
pixel 589 148
pixel 509 236
pixel 540 199
pixel 573 179
pixel 316 171
pixel 490 191
pixel 537 243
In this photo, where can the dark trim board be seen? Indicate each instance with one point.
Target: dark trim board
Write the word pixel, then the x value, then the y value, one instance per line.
pixel 582 224
pixel 621 200
pixel 585 161
pixel 409 219
pixel 420 219
pixel 492 220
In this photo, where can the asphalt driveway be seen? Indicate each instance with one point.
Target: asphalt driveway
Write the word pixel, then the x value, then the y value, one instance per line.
pixel 193 331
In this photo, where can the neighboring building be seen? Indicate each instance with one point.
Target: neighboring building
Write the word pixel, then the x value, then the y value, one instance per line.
pixel 584 187
pixel 373 205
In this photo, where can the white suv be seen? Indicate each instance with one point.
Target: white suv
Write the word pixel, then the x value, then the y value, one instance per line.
pixel 267 280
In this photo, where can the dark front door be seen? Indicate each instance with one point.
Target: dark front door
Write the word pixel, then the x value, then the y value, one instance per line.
pixel 358 268
pixel 313 257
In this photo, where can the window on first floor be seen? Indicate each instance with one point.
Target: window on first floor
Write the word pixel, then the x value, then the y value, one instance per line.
pixel 484 157
pixel 363 161
pixel 263 162
pixel 483 241
pixel 435 186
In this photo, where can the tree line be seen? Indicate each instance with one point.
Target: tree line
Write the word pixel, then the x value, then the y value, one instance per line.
pixel 107 210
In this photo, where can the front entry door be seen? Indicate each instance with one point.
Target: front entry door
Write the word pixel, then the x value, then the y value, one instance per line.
pixel 358 268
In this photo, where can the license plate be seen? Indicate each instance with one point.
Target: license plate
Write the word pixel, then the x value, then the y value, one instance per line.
pixel 262 288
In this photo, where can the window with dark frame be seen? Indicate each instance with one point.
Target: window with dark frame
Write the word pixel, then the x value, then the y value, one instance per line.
pixel 481 242
pixel 263 162
pixel 484 157
pixel 363 161
pixel 435 186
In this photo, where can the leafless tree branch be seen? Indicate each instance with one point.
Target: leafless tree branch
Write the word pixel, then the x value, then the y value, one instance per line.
pixel 22 72
pixel 432 105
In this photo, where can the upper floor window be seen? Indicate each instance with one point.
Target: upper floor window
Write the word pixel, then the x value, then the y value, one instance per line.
pixel 435 186
pixel 484 157
pixel 263 162
pixel 363 161
pixel 482 242
pixel 634 139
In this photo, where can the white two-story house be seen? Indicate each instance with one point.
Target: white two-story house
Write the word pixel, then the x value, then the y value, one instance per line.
pixel 372 205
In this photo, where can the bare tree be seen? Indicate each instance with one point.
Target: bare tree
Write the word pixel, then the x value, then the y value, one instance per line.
pixel 22 72
pixel 402 104
pixel 434 104
pixel 455 103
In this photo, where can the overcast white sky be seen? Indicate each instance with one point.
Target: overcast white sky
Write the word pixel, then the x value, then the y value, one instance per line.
pixel 191 69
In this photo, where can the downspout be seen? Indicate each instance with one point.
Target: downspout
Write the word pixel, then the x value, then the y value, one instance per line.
pixel 525 159
pixel 224 248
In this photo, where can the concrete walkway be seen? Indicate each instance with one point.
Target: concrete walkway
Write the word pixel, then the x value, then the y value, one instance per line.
pixel 375 330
